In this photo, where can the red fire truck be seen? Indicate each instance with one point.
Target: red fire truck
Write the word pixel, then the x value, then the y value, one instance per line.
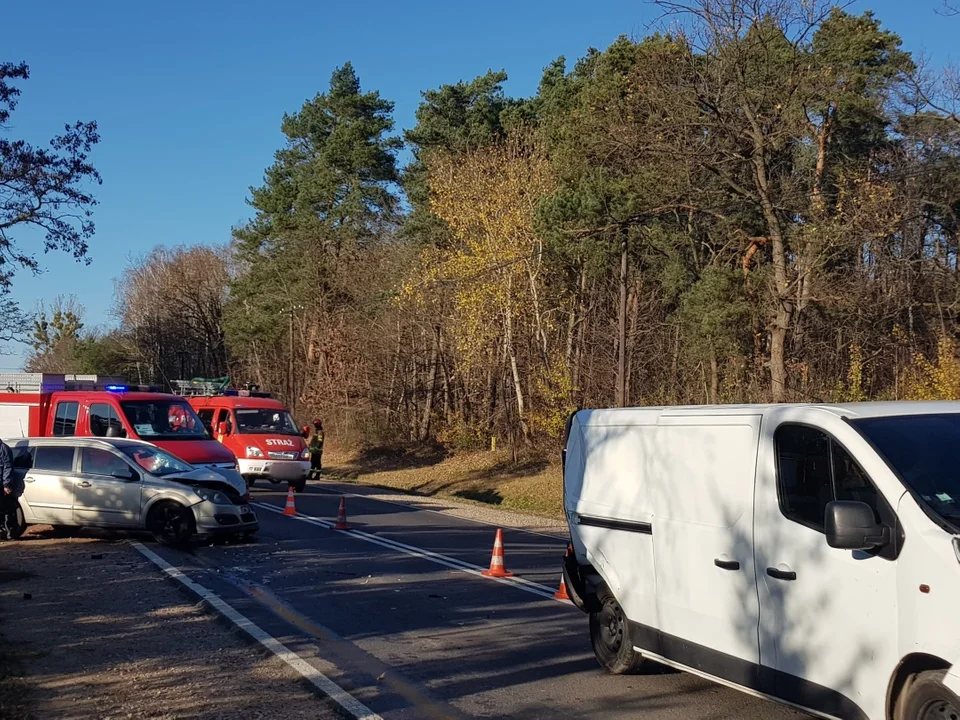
pixel 259 430
pixel 50 405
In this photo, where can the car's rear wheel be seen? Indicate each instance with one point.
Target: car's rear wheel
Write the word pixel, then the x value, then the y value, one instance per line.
pixel 929 699
pixel 20 523
pixel 171 524
pixel 610 636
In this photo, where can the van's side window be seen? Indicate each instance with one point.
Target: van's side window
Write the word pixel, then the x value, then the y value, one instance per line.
pixel 813 470
pixel 65 421
pixel 206 417
pixel 54 459
pixel 102 418
pixel 803 460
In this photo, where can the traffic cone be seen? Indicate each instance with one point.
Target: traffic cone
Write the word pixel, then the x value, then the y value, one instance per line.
pixel 561 594
pixel 290 508
pixel 342 516
pixel 497 568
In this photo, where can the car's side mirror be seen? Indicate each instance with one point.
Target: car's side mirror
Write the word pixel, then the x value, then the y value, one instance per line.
pixel 851 525
pixel 306 431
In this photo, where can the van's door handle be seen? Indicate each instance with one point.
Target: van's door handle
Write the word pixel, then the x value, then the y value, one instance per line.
pixel 84 484
pixel 781 574
pixel 726 564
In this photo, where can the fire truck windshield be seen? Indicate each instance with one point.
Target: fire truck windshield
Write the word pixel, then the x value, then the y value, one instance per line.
pixel 163 420
pixel 258 421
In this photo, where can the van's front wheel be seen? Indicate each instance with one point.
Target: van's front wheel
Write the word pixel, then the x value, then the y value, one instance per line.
pixel 610 636
pixel 929 699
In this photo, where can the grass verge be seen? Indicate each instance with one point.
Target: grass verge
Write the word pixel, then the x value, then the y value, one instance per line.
pixel 531 485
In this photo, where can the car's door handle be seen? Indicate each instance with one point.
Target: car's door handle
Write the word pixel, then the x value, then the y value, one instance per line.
pixel 781 574
pixel 726 564
pixel 84 484
pixel 29 479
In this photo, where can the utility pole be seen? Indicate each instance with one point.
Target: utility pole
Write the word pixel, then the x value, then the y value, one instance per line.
pixel 622 330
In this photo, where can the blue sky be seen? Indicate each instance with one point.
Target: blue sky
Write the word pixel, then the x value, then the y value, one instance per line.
pixel 189 95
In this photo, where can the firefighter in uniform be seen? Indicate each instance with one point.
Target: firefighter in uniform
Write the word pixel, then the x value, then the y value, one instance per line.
pixel 316 448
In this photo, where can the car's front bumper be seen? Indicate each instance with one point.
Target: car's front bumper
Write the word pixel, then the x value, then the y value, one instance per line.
pixel 225 519
pixel 279 470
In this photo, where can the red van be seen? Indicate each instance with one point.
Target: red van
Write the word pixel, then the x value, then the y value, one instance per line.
pixel 53 405
pixel 260 431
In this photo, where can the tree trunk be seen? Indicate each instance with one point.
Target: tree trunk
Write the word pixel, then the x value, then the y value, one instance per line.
pixel 514 369
pixel 433 370
pixel 621 395
pixel 714 377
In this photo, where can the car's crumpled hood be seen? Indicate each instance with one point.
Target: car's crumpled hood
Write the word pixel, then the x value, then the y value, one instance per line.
pixel 202 477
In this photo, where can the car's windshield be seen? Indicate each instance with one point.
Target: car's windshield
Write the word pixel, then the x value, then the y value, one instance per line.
pixel 924 450
pixel 163 419
pixel 261 421
pixel 155 461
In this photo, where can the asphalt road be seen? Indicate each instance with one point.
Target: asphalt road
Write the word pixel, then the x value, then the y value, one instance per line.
pixel 396 614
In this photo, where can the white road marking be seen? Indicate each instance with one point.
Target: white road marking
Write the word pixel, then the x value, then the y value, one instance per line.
pixel 354 707
pixel 445 560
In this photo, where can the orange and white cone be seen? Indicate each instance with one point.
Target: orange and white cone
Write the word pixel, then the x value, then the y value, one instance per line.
pixel 290 508
pixel 561 594
pixel 497 567
pixel 342 516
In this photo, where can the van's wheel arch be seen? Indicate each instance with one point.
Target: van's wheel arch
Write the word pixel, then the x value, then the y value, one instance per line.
pixel 171 523
pixel 610 637
pixel 925 697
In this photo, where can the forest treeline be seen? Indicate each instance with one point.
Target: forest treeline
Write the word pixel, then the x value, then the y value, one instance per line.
pixel 757 203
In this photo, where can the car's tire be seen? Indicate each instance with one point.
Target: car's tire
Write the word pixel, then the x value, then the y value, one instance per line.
pixel 610 637
pixel 927 698
pixel 171 523
pixel 21 524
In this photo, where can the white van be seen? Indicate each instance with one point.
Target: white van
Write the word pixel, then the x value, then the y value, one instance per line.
pixel 805 553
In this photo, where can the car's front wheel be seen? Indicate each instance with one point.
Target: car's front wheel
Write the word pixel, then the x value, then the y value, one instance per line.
pixel 610 636
pixel 929 699
pixel 171 523
pixel 19 524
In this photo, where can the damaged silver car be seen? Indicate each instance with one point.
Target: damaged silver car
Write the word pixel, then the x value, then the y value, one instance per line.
pixel 125 484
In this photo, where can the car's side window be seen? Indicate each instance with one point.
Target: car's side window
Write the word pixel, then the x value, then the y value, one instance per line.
pixel 102 418
pixel 23 457
pixel 97 461
pixel 54 459
pixel 813 470
pixel 803 474
pixel 65 421
pixel 206 417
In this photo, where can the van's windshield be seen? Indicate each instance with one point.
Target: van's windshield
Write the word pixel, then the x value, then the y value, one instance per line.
pixel 163 419
pixel 924 450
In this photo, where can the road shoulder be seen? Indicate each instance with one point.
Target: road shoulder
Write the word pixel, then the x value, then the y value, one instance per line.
pixel 99 632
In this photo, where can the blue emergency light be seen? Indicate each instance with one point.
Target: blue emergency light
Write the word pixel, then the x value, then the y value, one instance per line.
pixel 115 388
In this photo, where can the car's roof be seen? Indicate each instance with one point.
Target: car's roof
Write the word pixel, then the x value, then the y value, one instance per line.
pixel 79 440
pixel 845 410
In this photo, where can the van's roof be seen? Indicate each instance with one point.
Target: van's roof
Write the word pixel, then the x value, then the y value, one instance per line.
pixel 846 410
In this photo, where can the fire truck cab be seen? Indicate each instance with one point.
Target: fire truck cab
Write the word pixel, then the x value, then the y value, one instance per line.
pixel 258 429
pixel 53 405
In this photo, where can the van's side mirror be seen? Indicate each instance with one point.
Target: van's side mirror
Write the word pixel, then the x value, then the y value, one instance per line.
pixel 851 525
pixel 223 429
